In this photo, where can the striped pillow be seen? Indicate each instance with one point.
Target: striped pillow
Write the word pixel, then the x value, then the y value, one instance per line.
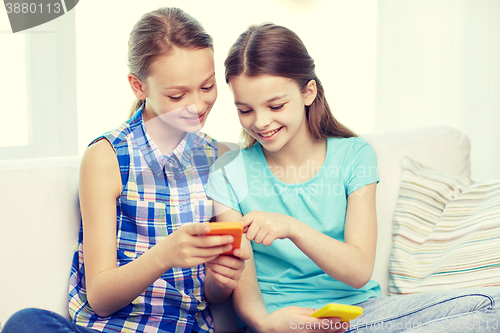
pixel 446 232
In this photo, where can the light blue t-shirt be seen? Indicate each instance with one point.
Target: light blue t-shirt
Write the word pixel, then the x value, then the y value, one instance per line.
pixel 243 181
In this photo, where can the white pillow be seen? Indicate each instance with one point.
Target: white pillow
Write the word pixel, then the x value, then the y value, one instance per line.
pixel 446 232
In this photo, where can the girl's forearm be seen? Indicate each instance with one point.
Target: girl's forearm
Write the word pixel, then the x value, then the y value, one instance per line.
pixel 343 262
pixel 113 289
pixel 214 294
pixel 248 302
pixel 352 260
pixel 247 297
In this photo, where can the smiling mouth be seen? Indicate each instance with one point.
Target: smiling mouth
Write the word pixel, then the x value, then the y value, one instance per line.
pixel 195 117
pixel 269 134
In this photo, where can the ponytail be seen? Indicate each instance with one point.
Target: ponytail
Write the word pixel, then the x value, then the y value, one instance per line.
pixel 135 106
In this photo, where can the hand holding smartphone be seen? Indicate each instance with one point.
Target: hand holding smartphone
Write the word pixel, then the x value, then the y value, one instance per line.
pixel 234 229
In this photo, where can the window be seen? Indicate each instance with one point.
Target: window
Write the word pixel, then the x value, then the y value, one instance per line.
pixel 39 103
pixel 14 110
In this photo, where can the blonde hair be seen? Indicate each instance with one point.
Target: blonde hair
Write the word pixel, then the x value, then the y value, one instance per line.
pixel 155 34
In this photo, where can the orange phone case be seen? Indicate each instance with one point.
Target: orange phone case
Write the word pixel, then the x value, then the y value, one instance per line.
pixel 344 312
pixel 234 229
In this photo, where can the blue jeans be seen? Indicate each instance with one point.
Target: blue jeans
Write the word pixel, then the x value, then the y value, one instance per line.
pixel 42 321
pixel 462 310
pixel 37 320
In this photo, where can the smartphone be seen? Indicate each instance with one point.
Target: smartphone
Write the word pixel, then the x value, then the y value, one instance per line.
pixel 234 229
pixel 344 312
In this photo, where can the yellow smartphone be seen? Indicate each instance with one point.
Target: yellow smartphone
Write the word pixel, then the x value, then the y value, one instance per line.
pixel 234 229
pixel 344 312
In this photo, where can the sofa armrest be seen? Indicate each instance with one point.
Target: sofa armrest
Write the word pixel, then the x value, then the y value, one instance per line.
pixel 40 219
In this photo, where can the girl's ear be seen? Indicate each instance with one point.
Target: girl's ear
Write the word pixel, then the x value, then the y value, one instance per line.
pixel 310 92
pixel 137 86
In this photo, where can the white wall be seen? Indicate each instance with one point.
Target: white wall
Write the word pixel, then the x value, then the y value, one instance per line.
pixel 61 116
pixel 438 63
pixel 340 35
pixel 385 64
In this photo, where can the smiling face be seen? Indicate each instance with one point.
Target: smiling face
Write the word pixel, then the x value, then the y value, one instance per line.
pixel 181 89
pixel 272 109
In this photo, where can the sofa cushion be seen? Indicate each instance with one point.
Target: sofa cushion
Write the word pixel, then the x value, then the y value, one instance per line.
pixel 441 147
pixel 446 232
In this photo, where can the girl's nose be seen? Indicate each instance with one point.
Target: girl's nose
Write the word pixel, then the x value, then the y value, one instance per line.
pixel 262 120
pixel 195 108
pixel 198 106
pixel 192 108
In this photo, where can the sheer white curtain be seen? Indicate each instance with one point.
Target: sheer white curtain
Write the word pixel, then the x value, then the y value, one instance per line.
pixel 438 63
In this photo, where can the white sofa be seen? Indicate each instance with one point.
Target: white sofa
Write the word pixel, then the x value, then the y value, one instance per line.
pixel 40 217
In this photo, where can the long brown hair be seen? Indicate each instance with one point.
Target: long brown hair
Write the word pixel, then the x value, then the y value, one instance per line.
pixel 156 33
pixel 270 49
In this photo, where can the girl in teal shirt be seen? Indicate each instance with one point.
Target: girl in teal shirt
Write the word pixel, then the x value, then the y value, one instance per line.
pixel 304 188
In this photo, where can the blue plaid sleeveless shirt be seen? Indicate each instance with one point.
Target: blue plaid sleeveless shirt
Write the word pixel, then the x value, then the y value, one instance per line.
pixel 160 193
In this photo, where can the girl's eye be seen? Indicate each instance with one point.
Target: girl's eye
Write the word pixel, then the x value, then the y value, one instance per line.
pixel 176 98
pixel 208 88
pixel 278 107
pixel 244 112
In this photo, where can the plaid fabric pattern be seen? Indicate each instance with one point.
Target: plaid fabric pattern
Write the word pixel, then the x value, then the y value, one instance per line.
pixel 160 193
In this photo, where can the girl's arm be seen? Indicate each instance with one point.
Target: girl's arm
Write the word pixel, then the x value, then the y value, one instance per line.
pixel 223 273
pixel 110 288
pixel 247 297
pixel 249 304
pixel 350 262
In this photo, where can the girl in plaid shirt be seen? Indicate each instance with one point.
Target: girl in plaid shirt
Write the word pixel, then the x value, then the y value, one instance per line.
pixel 140 264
